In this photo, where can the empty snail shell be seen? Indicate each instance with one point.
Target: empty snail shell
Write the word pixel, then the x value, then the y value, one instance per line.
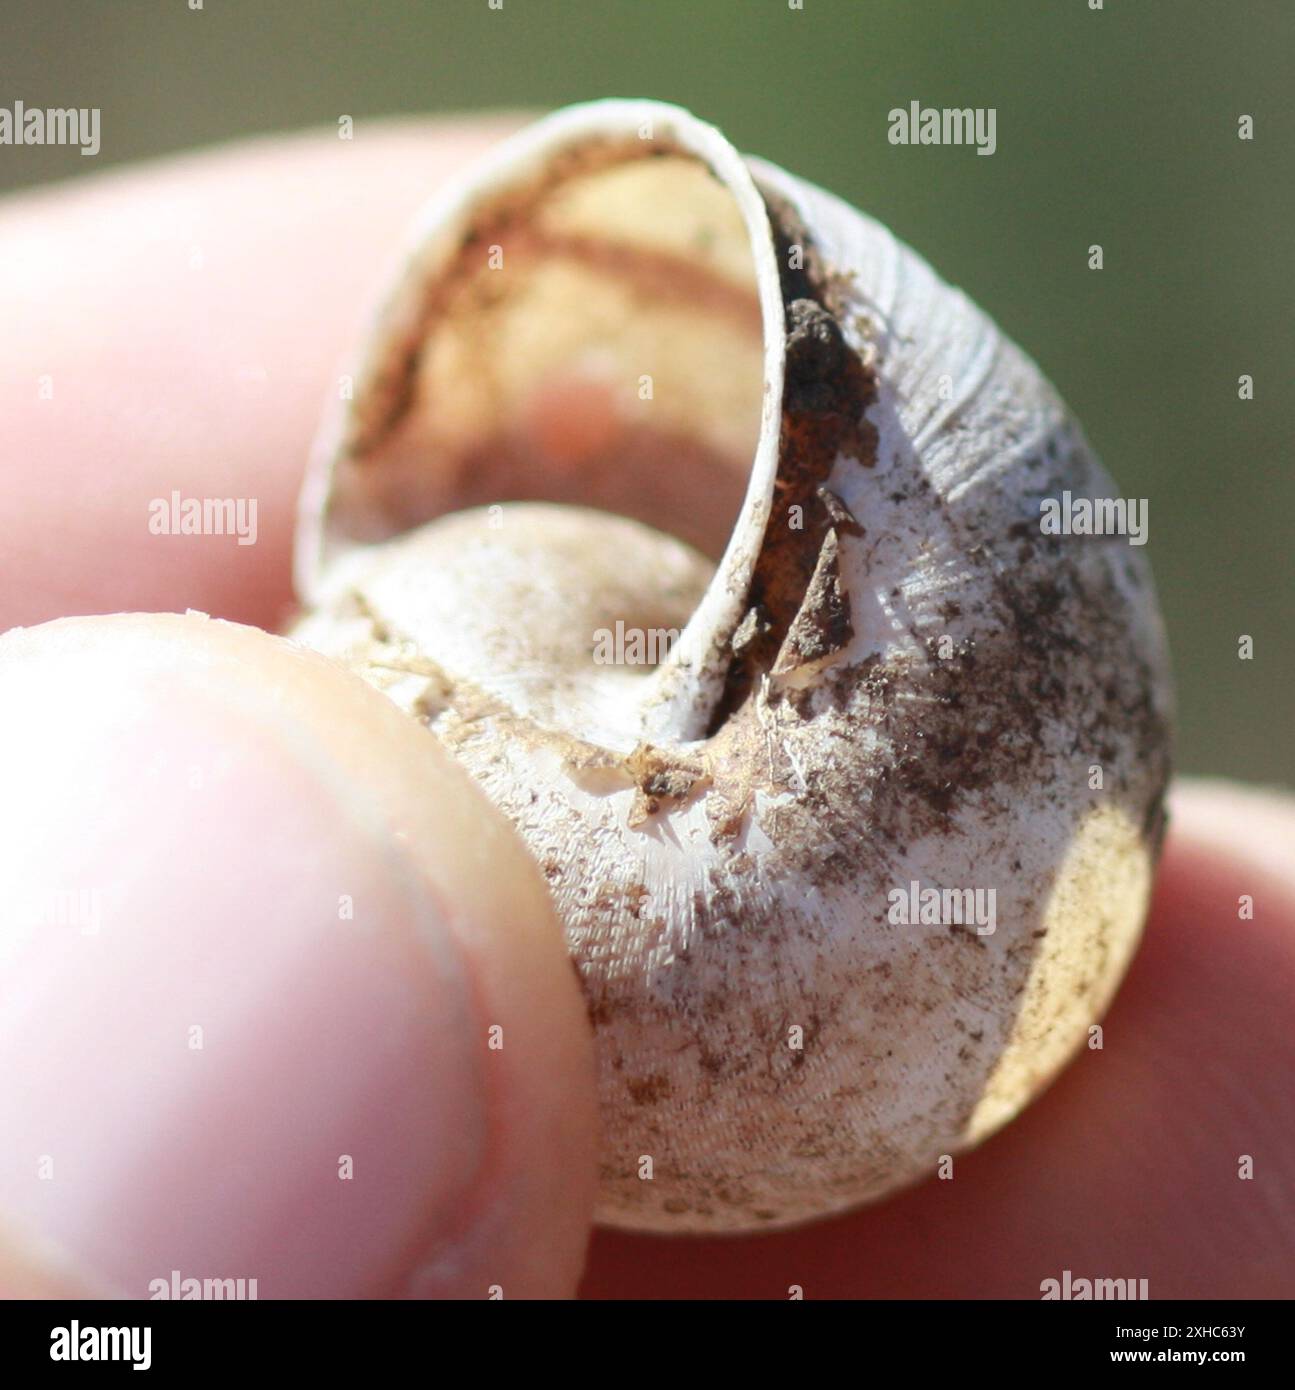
pixel 662 389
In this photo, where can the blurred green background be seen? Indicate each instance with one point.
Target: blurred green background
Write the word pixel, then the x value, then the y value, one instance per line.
pixel 1116 126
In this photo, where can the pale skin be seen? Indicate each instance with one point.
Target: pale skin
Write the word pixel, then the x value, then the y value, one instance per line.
pixel 191 317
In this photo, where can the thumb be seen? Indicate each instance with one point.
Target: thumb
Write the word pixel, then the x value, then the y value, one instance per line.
pixel 281 996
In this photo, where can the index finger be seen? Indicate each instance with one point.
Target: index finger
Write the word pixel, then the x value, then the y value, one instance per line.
pixel 172 330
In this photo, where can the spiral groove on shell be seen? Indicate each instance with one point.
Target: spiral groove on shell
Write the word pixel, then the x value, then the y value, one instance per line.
pixel 888 677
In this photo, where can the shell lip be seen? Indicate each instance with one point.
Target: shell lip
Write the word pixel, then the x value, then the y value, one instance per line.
pixel 326 540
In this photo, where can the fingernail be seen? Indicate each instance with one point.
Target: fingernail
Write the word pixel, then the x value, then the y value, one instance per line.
pixel 239 1039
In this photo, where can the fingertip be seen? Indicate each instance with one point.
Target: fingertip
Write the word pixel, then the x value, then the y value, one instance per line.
pixel 323 1032
pixel 1254 825
pixel 172 330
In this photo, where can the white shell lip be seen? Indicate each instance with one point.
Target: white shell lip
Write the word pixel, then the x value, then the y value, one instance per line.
pixel 325 545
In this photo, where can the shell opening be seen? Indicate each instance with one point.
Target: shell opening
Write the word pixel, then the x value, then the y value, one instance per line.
pixel 608 316
pixel 596 340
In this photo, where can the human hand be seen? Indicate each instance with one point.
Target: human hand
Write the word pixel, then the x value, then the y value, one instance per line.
pixel 222 793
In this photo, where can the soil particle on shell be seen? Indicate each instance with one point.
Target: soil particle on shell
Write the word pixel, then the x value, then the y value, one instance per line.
pixel 842 518
pixel 754 627
pixel 827 390
pixel 649 1090
pixel 817 369
pixel 822 626
pixel 661 777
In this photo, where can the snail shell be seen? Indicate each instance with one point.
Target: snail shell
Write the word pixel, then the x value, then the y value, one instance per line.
pixel 887 680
